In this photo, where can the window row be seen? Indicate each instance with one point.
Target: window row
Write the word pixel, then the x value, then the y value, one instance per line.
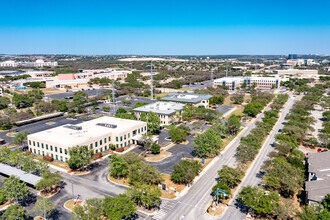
pixel 50 147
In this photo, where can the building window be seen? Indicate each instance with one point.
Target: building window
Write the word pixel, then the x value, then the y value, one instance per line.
pixel 125 144
pixel 39 152
pixel 116 145
pixel 134 133
pixel 34 143
pixel 95 144
pixel 42 146
pixel 121 145
pixel 117 139
pixel 91 146
pixel 105 140
pixel 55 149
pixel 61 158
pixel 34 151
pixel 121 138
pixel 38 144
pixel 145 128
pixel 100 142
pixel 139 130
pixel 52 156
pixel 129 142
pixel 65 151
pixel 46 146
pixel 60 150
pixel 56 157
pixel 96 151
pixel 101 149
pixel 105 148
pixel 128 135
pixel 43 153
pixel 51 147
pixel 109 138
pixel 125 137
pixel 29 142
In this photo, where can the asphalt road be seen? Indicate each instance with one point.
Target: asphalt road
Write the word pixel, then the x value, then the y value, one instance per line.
pixel 199 85
pixel 255 175
pixel 193 205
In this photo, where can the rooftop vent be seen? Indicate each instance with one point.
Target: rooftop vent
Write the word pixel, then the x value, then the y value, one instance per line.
pixel 73 127
pixel 107 125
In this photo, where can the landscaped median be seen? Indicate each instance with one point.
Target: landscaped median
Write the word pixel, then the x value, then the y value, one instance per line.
pixel 230 177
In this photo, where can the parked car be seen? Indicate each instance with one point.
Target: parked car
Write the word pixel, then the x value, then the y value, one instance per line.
pixel 319 150
pixel 325 150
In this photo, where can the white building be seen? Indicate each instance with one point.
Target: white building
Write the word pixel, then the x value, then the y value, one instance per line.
pixel 237 82
pixel 191 98
pixel 164 110
pixel 304 73
pixel 8 63
pixel 98 134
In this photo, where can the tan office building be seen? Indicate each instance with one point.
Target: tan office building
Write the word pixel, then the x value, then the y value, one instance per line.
pixel 98 134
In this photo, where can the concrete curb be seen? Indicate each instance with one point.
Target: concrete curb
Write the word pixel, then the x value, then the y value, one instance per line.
pixel 117 184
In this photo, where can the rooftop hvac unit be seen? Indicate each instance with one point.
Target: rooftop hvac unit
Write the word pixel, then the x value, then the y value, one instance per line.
pixel 73 127
pixel 107 125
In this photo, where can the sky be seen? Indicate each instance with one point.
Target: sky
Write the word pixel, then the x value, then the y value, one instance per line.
pixel 180 27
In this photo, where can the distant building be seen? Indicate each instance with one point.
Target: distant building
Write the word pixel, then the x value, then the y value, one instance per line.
pixel 68 84
pixel 98 134
pixel 292 56
pixel 164 110
pixel 40 74
pixel 236 82
pixel 298 73
pixel 37 63
pixel 191 98
pixel 318 180
pixel 10 73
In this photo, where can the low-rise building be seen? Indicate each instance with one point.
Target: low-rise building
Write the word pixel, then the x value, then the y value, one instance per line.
pixel 165 110
pixel 298 73
pixel 237 82
pixel 37 63
pixel 68 84
pixel 318 180
pixel 191 98
pixel 98 134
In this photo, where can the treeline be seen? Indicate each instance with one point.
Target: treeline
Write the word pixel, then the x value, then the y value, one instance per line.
pixel 285 170
pixel 257 104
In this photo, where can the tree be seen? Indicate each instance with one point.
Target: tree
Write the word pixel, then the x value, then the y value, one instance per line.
pixel 237 99
pixel 220 128
pixel 307 213
pixel 48 181
pixel 14 189
pixel 80 156
pixel 119 207
pixel 207 144
pixel 256 199
pixel 79 100
pixel 144 173
pixel 22 101
pixel 153 122
pixel 36 93
pixel 252 109
pixel 43 207
pixel 217 99
pixel 147 142
pixel 155 149
pixel 21 137
pixel 4 102
pixel 230 176
pixel 177 134
pixel 143 117
pixel 222 187
pixel 15 212
pixel 185 171
pixel 233 124
pixel 145 195
pixel 92 209
pixel 118 166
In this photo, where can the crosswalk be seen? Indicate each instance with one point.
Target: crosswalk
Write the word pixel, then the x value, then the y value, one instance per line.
pixel 164 209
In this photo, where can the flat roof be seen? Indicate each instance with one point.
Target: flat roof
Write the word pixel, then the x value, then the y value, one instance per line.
pixel 166 108
pixel 186 97
pixel 89 130
pixel 242 78
pixel 24 176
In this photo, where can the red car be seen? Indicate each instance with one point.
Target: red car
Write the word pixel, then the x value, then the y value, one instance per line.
pixel 213 107
pixel 319 150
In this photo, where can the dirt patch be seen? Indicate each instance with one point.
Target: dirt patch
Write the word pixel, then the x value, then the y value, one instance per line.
pixel 172 188
pixel 213 210
pixel 157 157
pixel 71 204
pixel 48 91
pixel 122 181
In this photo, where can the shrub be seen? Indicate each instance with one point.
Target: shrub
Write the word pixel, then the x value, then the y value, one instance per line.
pixel 222 187
pixel 2 197
pixel 97 156
pixel 120 149
pixel 185 171
pixel 155 149
pixel 48 158
pixel 112 147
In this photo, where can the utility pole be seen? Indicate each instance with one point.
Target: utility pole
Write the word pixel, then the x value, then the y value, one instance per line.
pixel 113 98
pixel 226 69
pixel 152 90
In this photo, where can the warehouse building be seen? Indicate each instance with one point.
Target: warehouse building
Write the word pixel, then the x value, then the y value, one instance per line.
pixel 98 134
